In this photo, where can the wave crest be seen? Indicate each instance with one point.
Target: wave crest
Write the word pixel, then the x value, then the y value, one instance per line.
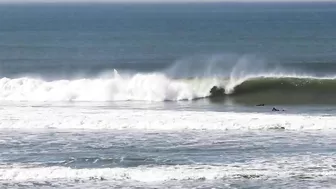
pixel 137 87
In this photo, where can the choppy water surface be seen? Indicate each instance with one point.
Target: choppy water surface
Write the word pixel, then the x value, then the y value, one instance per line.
pixel 182 159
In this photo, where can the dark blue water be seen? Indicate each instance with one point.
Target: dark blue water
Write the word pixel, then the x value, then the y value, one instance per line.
pixel 60 41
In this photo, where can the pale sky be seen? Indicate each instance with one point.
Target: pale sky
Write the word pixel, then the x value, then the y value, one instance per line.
pixel 158 1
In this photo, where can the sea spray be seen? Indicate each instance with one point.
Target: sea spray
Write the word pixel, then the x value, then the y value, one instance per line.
pixel 137 87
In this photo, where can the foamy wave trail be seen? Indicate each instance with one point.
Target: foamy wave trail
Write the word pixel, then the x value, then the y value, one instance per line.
pixel 319 167
pixel 26 118
pixel 138 87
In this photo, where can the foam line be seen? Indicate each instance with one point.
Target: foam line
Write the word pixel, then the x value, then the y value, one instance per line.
pixel 121 119
pixel 278 168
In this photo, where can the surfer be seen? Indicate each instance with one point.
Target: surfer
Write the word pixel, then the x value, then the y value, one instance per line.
pixel 217 91
pixel 260 105
pixel 275 110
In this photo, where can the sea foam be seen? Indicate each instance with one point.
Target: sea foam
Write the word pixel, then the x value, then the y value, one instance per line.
pixel 267 168
pixel 141 119
pixel 137 87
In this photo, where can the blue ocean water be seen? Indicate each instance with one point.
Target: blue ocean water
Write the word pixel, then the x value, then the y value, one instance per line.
pixel 61 40
pixel 118 95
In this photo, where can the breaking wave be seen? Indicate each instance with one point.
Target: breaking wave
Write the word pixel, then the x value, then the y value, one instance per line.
pixel 137 87
pixel 160 87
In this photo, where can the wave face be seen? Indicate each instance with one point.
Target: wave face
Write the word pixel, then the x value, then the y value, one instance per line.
pixel 285 85
pixel 282 89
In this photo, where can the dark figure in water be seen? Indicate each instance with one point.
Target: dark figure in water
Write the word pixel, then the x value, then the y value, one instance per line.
pixel 260 105
pixel 217 91
pixel 275 110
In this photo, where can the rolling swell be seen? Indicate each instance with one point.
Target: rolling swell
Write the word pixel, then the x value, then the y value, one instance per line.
pixel 286 85
pixel 282 90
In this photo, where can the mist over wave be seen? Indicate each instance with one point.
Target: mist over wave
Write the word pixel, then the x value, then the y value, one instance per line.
pixel 219 65
pixel 187 79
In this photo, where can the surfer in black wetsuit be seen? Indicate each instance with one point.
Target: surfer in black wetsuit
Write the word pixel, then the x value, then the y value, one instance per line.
pixel 217 91
pixel 275 110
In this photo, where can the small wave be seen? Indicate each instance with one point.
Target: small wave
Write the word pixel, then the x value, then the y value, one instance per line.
pixel 278 168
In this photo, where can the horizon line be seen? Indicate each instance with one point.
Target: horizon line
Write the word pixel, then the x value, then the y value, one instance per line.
pixel 161 2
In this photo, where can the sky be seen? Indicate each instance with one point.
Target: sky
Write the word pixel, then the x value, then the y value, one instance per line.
pixel 156 1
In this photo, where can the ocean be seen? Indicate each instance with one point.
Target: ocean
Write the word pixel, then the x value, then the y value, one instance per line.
pixel 118 95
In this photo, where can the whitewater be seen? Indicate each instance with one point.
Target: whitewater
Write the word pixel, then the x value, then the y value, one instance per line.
pixel 102 117
pixel 141 87
pixel 150 130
